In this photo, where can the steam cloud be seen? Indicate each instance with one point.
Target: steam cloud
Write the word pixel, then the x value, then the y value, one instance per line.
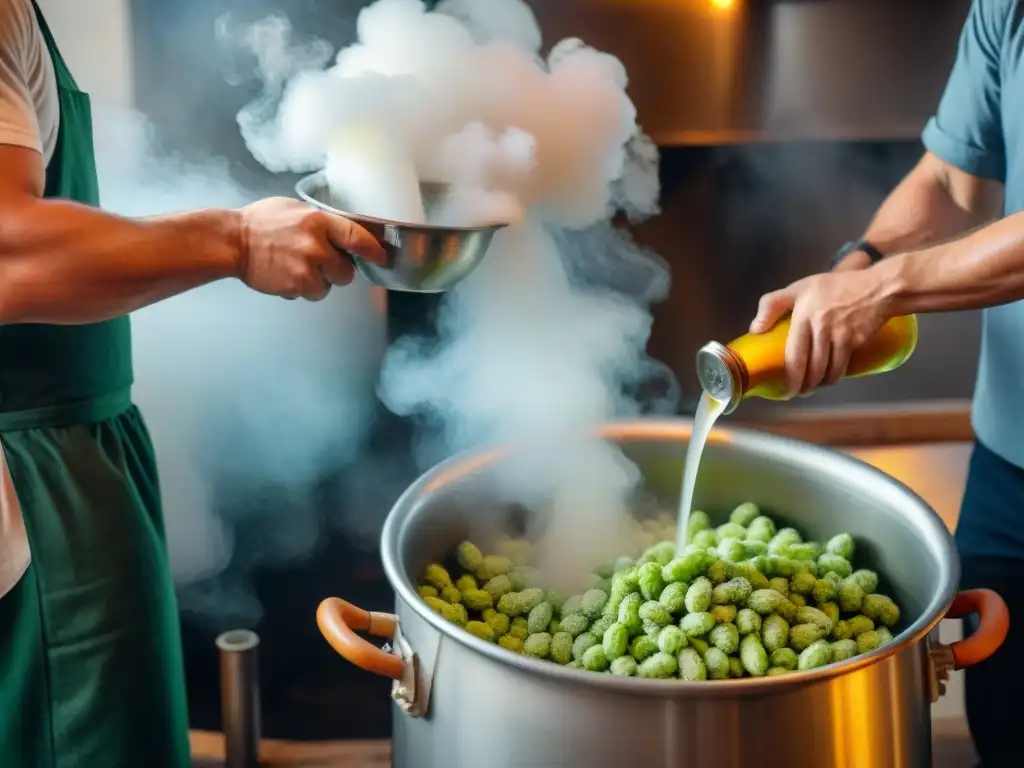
pixel 546 338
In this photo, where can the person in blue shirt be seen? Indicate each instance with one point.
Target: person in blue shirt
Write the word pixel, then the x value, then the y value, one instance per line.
pixel 950 236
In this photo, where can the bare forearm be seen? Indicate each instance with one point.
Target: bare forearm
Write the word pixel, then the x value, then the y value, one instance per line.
pixel 983 269
pixel 64 263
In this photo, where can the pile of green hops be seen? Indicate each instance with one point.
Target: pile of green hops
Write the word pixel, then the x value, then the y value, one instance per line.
pixel 743 599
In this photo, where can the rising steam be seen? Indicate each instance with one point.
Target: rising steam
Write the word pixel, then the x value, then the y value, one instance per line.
pixel 547 337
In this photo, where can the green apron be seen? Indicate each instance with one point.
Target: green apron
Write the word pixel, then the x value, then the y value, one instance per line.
pixel 91 672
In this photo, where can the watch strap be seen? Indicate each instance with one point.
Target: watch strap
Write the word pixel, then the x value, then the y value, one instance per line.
pixel 852 247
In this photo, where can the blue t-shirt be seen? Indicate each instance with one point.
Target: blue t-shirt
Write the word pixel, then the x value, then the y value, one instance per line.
pixel 979 128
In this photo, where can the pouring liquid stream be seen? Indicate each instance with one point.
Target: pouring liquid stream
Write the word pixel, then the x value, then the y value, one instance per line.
pixel 708 411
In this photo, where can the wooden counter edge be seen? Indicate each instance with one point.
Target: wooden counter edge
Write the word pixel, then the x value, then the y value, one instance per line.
pixel 208 749
pixel 904 424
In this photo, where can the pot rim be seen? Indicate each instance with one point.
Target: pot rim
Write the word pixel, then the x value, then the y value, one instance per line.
pixel 469 462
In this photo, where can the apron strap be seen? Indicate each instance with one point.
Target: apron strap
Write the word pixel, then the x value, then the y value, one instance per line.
pixel 61 70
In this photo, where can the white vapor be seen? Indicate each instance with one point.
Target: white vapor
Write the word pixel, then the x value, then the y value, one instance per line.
pixel 547 338
pixel 243 393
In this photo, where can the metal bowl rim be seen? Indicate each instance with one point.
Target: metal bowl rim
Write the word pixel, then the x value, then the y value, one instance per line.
pixel 408 503
pixel 426 229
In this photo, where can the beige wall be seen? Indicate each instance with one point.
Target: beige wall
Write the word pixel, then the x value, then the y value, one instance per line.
pixel 95 39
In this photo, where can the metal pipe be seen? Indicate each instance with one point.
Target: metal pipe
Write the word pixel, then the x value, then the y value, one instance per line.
pixel 240 697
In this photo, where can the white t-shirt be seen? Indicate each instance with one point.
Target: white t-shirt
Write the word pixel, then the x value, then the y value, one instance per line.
pixel 29 117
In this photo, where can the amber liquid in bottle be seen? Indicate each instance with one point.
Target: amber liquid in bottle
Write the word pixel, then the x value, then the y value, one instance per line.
pixel 754 365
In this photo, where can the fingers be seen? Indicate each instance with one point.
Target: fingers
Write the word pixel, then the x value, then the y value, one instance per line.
pixel 345 235
pixel 798 349
pixel 818 360
pixel 337 268
pixel 839 359
pixel 771 308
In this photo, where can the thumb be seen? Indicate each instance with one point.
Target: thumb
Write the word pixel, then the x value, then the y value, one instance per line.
pixel 347 235
pixel 771 308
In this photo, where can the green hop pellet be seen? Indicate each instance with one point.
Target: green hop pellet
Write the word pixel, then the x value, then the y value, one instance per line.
pixel 851 595
pixel 718 572
pixel 706 538
pixel 735 667
pixel 600 625
pixel 554 627
pixel 832 576
pixel 561 648
pixel 456 614
pixel 593 603
pixel 734 591
pixel 798 600
pixel 498 586
pixel 860 624
pixel 651 583
pixel 783 657
pixel 778 565
pixel 753 656
pixel 557 599
pixel 659 666
pixel 805 550
pixel 809 615
pixel 469 555
pixel 717 664
pixel 519 628
pixel 776 671
pixel 697 624
pixel 774 632
pixel 732 550
pixel 624 666
pixel 748 621
pixel 841 545
pixel 498 622
pixel 491 566
pixel 753 548
pixel 538 645
pixel 451 594
pixel 868 580
pixel 829 563
pixel 510 605
pixel 780 585
pixel 783 539
pixel 744 514
pixel 605 570
pixel 437 577
pixel 427 591
pixel 724 613
pixel 595 660
pixel 629 613
pixel 530 599
pixel 573 604
pixel 699 521
pixel 615 641
pixel 698 596
pixel 654 616
pixel 749 572
pixel 831 610
pixel 730 531
pixel 661 553
pixel 643 647
pixel 684 568
pixel 436 604
pixel 671 639
pixel 673 597
pixel 766 601
pixel 761 529
pixel 539 618
pixel 817 654
pixel 802 635
pixel 477 599
pixel 884 635
pixel 843 650
pixel 881 609
pixel 867 641
pixel 511 643
pixel 582 644
pixel 480 629
pixel 465 583
pixel 802 583
pixel 824 590
pixel 524 577
pixel 518 551
pixel 725 637
pixel 622 563
pixel 575 624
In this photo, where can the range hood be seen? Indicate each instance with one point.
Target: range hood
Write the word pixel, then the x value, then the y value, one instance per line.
pixel 730 71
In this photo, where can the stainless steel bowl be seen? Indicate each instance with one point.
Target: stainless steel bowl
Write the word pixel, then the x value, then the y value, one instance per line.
pixel 422 258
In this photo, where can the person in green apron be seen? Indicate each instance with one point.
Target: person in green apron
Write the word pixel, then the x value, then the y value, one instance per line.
pixel 91 671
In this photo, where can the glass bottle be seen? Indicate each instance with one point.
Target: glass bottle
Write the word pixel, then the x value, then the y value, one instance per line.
pixel 754 365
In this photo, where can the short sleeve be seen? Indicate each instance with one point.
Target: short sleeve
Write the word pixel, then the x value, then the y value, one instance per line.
pixel 966 131
pixel 19 125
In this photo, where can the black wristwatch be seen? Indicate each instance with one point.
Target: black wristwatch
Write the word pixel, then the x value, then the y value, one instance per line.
pixel 852 247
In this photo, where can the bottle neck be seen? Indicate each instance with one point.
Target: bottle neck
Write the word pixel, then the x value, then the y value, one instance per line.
pixel 722 374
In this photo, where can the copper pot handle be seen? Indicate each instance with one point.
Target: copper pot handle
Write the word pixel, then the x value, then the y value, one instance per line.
pixel 338 621
pixel 994 624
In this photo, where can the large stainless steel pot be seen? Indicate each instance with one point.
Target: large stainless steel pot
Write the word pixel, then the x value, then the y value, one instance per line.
pixel 462 702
